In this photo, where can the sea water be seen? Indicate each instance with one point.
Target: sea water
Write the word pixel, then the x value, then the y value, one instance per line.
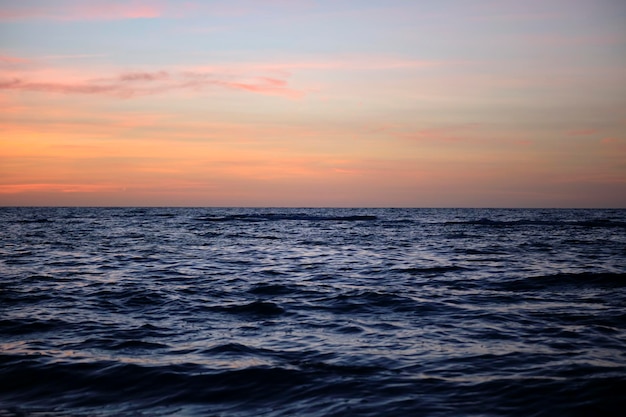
pixel 312 312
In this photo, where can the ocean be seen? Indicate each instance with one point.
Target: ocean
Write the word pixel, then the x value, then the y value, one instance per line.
pixel 312 312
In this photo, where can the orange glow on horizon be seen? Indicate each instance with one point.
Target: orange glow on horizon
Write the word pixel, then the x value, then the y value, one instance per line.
pixel 390 104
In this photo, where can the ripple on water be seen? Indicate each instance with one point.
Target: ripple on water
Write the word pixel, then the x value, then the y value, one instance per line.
pixel 312 312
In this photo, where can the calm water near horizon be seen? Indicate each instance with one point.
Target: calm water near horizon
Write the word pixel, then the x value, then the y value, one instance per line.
pixel 312 312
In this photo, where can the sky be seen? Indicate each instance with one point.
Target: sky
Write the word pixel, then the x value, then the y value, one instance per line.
pixel 313 103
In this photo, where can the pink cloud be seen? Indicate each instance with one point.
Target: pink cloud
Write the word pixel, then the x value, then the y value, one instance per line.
pixel 14 63
pixel 92 10
pixel 52 187
pixel 136 9
pixel 79 88
pixel 609 141
pixel 615 144
pixel 144 76
pixel 266 85
pixel 11 64
pixel 133 84
pixel 12 60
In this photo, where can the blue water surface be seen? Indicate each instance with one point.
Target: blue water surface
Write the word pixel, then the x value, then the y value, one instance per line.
pixel 312 312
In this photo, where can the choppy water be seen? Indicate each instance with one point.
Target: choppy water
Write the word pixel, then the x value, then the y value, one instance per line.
pixel 312 312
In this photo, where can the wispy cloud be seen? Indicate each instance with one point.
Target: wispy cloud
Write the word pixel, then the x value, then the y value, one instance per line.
pixel 12 60
pixel 78 88
pixel 265 77
pixel 13 63
pixel 54 187
pixel 132 84
pixel 617 146
pixel 82 10
pixel 73 10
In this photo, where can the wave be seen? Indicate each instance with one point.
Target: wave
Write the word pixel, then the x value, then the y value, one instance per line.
pixel 370 302
pixel 436 270
pixel 255 309
pixel 595 223
pixel 311 312
pixel 32 221
pixel 303 387
pixel 255 217
pixel 27 378
pixel 30 325
pixel 584 279
pixel 274 289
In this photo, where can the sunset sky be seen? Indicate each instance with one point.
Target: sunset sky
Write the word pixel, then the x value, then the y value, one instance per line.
pixel 374 103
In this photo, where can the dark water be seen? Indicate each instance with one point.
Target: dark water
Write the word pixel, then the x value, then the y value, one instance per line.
pixel 311 312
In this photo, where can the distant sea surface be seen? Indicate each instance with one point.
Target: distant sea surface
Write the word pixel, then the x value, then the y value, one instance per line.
pixel 312 312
